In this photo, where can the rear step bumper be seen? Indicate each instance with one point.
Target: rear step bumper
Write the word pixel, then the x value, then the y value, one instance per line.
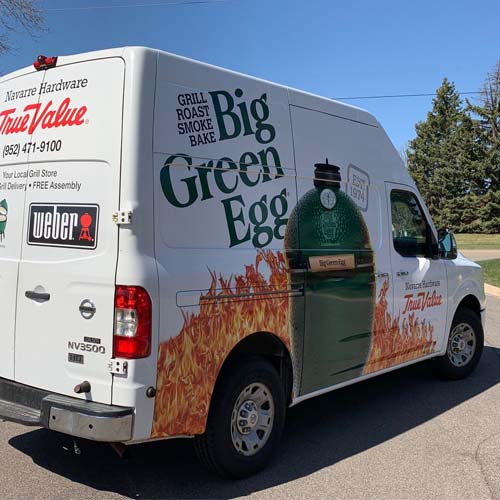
pixel 76 417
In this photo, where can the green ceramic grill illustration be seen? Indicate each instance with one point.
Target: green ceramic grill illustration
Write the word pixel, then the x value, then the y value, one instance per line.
pixel 4 209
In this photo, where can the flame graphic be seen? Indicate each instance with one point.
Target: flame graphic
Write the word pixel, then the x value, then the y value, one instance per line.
pixel 188 364
pixel 231 309
pixel 393 344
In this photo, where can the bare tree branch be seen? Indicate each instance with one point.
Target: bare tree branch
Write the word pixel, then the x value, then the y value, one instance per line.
pixel 18 15
pixel 490 97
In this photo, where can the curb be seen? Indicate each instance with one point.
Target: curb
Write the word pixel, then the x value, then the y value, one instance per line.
pixel 492 290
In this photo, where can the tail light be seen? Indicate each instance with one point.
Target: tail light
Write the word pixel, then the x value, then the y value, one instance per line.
pixel 132 332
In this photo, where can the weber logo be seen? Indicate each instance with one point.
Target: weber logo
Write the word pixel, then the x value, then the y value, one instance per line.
pixel 63 225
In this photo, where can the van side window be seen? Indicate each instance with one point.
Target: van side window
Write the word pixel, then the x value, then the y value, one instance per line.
pixel 410 231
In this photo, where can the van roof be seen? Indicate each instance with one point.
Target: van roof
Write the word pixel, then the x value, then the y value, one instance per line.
pixel 297 97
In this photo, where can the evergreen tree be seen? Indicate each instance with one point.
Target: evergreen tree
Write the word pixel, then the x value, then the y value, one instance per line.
pixel 455 158
pixel 440 156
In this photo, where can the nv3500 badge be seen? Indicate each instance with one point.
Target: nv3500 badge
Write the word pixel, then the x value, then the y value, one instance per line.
pixel 63 225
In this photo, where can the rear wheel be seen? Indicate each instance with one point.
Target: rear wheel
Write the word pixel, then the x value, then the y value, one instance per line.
pixel 465 346
pixel 245 421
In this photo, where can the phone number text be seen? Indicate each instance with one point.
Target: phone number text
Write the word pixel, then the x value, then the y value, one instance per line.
pixel 32 147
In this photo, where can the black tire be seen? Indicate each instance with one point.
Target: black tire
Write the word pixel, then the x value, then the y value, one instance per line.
pixel 446 368
pixel 215 448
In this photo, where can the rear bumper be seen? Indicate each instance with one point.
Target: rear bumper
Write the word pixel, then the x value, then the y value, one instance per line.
pixel 86 419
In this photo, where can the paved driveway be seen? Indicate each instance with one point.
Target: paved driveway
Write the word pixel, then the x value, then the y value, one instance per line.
pixel 478 255
pixel 404 435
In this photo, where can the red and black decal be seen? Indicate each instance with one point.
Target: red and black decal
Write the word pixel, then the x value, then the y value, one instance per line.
pixel 63 225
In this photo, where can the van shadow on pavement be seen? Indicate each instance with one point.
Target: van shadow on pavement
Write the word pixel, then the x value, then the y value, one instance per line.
pixel 319 433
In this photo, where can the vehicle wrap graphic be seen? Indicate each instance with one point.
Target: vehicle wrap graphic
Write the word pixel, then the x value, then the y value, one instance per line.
pixel 397 339
pixel 189 363
pixel 291 251
pixel 264 219
pixel 63 225
pixel 328 240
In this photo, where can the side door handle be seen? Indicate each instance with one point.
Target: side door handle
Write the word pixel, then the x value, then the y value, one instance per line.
pixel 402 273
pixel 381 275
pixel 39 296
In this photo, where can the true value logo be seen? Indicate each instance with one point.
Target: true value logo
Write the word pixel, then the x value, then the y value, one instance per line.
pixel 44 116
pixel 260 221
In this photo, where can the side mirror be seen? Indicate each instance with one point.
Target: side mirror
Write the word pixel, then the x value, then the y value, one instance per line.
pixel 447 245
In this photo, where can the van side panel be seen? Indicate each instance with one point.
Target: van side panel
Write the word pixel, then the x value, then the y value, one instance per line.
pixel 224 188
pixel 271 216
pixel 367 161
pixel 350 233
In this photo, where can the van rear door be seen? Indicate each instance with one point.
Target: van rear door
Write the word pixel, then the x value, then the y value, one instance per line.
pixel 15 94
pixel 65 297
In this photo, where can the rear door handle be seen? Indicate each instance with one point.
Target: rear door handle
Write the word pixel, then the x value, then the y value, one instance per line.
pixel 41 296
pixel 402 273
pixel 381 275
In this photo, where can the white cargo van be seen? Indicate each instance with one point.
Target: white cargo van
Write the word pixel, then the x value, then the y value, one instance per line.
pixel 188 251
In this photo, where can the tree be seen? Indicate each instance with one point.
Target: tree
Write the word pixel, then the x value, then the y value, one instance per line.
pixel 440 157
pixel 455 158
pixel 489 110
pixel 487 140
pixel 18 15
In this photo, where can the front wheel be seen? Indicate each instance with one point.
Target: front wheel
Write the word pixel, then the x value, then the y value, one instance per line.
pixel 465 346
pixel 245 421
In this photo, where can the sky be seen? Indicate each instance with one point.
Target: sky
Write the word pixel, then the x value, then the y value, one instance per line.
pixel 327 47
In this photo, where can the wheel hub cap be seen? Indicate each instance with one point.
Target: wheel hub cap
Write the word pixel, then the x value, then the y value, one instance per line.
pixel 462 344
pixel 248 416
pixel 252 419
pixel 458 345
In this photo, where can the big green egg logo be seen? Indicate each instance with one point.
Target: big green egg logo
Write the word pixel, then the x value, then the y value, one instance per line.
pixel 259 221
pixel 4 210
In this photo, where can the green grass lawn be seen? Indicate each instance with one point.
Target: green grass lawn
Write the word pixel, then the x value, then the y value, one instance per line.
pixel 491 270
pixel 478 241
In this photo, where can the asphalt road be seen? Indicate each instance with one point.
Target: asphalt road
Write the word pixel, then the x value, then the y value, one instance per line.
pixel 404 435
